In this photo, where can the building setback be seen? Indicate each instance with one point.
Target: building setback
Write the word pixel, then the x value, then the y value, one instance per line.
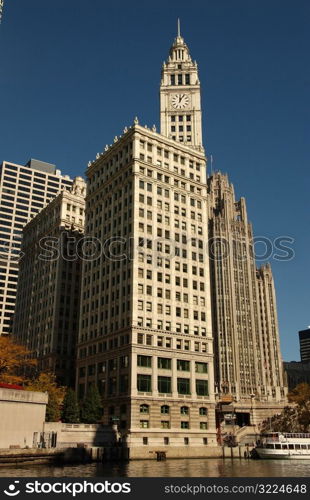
pixel 248 364
pixel 24 191
pixel 48 292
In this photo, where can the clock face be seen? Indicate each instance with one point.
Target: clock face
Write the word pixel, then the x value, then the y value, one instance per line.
pixel 180 101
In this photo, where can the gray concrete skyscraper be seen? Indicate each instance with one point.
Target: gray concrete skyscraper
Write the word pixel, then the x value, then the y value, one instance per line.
pixel 24 191
pixel 248 363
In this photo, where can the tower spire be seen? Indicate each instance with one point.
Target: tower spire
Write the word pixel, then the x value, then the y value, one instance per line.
pixel 179 27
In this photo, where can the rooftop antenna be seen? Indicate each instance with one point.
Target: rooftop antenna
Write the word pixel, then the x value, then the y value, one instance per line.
pixel 179 27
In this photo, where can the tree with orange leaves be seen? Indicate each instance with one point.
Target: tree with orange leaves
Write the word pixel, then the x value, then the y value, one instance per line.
pixel 15 361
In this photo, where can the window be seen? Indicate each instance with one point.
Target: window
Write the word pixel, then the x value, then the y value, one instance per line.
pixel 164 363
pixel 144 424
pixel 123 383
pixel 202 388
pixel 166 440
pixel 183 365
pixel 184 410
pixel 124 363
pixel 185 425
pixel 164 385
pixel 187 79
pixel 145 361
pixel 183 386
pixel 203 411
pixel 205 440
pixel 186 441
pixel 165 424
pixel 172 79
pixel 145 440
pixel 179 79
pixel 203 425
pixel 144 408
pixel 201 367
pixel 165 410
pixel 144 383
pixel 168 342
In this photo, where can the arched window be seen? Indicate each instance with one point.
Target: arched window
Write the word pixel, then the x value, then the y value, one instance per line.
pixel 184 410
pixel 165 409
pixel 144 409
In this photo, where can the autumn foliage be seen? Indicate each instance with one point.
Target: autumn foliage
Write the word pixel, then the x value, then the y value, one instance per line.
pixel 294 418
pixel 300 394
pixel 46 382
pixel 15 361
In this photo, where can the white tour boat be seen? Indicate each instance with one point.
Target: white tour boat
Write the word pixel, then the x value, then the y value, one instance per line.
pixel 284 445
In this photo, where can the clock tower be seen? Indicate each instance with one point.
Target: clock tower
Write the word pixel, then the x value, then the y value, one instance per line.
pixel 180 103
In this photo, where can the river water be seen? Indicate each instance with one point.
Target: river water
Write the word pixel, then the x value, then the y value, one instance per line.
pixel 211 467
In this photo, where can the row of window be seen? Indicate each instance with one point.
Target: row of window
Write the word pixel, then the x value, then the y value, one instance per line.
pixel 181 344
pixel 114 343
pixel 74 208
pixel 166 363
pixel 180 79
pixel 148 306
pixel 177 182
pixel 147 289
pixel 166 440
pixel 165 410
pixel 21 182
pixel 181 128
pixel 165 153
pixel 37 175
pixel 160 177
pixel 165 424
pixel 161 277
pixel 164 385
pixel 167 208
pixel 159 324
pixel 166 192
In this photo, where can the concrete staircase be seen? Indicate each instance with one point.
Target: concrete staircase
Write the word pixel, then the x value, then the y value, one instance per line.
pixel 246 434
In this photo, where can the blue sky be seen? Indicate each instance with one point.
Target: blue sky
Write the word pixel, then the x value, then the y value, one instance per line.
pixel 73 73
